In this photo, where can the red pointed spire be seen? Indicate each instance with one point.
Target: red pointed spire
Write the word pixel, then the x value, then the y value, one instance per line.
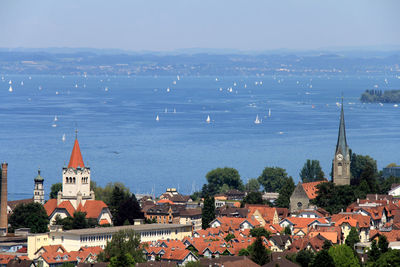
pixel 76 157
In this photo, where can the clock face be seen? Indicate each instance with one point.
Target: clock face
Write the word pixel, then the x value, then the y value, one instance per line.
pixel 339 156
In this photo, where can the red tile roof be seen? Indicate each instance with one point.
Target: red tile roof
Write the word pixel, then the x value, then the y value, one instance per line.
pixel 67 206
pixel 311 188
pixel 353 219
pixel 266 212
pixel 50 206
pixel 392 236
pixel 76 157
pixel 93 208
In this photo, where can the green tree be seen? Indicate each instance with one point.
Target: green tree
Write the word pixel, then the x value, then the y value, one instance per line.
pixel 259 253
pixel 79 221
pixel 54 190
pixel 123 249
pixel 352 238
pixel 118 196
pixel 105 193
pixel 253 185
pixel 244 252
pixel 31 215
pixel 229 237
pixel 195 196
pixel 305 257
pixel 311 171
pixel 67 264
pixel 128 210
pixel 208 212
pixel 383 244
pixel 286 231
pixel 358 165
pixel 389 259
pixel 122 260
pixel 260 231
pixel 374 252
pixel 334 198
pixel 219 177
pixel 252 198
pixel 273 179
pixel 327 245
pixel 386 184
pixel 343 256
pixel 285 192
pixel 322 258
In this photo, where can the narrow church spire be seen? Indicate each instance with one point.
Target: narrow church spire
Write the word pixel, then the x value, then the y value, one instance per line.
pixel 76 159
pixel 341 146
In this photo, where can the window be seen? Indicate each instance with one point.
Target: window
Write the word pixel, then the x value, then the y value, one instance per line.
pixel 299 204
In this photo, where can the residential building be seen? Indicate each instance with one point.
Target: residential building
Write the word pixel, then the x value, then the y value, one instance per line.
pixel 73 240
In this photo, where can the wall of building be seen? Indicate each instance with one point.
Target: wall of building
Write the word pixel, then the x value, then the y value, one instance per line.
pixel 70 240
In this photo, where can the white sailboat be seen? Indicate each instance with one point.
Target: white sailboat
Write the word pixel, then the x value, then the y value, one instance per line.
pixel 157 118
pixel 10 89
pixel 9 82
pixel 208 120
pixel 55 118
pixel 22 83
pixel 54 125
pixel 63 138
pixel 257 121
pixel 174 110
pixel 269 112
pixel 165 110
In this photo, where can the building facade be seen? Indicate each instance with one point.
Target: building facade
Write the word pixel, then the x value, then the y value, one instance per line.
pixel 73 240
pixel 341 160
pixel 38 192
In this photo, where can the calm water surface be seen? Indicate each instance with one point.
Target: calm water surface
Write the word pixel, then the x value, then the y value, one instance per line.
pixel 122 141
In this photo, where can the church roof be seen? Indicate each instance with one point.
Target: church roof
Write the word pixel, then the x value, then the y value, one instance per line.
pixel 76 159
pixel 39 178
pixel 341 145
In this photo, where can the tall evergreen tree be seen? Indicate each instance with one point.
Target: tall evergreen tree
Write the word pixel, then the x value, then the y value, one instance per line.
pixel 311 171
pixel 285 192
pixel 208 212
pixel 383 244
pixel 259 254
pixel 128 211
pixel 352 238
pixel 374 252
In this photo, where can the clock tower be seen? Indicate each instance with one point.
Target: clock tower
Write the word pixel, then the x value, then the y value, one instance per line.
pixel 341 161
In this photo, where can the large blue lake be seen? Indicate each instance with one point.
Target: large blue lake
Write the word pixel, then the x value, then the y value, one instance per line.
pixel 121 140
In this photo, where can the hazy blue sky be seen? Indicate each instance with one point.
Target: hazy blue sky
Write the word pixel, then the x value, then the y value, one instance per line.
pixel 175 24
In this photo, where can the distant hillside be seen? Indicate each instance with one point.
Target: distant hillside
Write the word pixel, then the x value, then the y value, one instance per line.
pixel 71 62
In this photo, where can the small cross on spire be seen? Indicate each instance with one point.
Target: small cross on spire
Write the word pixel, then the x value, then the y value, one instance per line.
pixel 76 133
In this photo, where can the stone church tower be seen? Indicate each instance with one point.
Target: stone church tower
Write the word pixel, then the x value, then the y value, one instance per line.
pixel 76 180
pixel 38 192
pixel 341 161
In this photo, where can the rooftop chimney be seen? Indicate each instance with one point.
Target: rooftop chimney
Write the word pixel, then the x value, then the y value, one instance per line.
pixel 3 199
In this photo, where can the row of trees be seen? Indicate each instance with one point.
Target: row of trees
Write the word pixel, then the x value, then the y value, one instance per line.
pixel 272 179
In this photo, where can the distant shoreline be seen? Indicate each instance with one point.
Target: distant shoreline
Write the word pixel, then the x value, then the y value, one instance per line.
pixel 379 96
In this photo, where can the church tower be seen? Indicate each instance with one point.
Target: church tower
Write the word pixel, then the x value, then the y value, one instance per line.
pixel 38 192
pixel 76 179
pixel 341 161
